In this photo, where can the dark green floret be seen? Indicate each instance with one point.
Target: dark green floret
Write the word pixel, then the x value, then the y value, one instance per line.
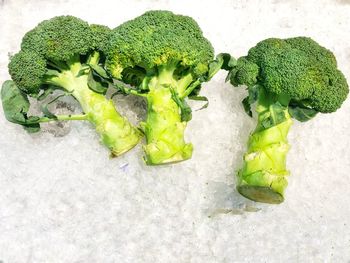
pixel 286 78
pixel 297 67
pixel 67 54
pixel 59 38
pixel 165 58
pixel 100 37
pixel 27 70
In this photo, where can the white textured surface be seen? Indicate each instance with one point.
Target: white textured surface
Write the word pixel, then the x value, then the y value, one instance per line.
pixel 63 200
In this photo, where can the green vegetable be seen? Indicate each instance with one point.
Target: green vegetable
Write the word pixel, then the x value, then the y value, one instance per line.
pixel 286 78
pixel 66 53
pixel 165 58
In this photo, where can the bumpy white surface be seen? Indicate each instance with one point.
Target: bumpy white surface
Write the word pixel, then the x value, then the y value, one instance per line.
pixel 63 200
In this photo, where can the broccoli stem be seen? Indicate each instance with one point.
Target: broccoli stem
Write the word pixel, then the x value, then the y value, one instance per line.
pixel 263 176
pixel 164 129
pixel 116 132
pixel 75 117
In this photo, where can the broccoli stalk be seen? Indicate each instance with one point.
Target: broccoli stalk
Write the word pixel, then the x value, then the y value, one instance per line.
pixel 263 176
pixel 164 128
pixel 165 58
pixel 116 132
pixel 65 53
pixel 286 78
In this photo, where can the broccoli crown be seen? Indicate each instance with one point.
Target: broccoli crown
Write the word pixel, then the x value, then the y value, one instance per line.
pixel 100 37
pixel 27 70
pixel 298 67
pixel 159 38
pixel 51 42
pixel 245 72
pixel 59 38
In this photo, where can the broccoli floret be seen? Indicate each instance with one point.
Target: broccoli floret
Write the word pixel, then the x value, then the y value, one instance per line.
pixel 27 70
pixel 100 37
pixel 286 78
pixel 66 53
pixel 165 57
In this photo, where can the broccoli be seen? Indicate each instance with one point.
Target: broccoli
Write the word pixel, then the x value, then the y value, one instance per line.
pixel 286 78
pixel 165 58
pixel 65 53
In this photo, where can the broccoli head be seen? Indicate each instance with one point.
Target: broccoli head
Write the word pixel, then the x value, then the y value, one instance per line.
pixel 165 58
pixel 159 39
pixel 296 67
pixel 67 53
pixel 286 78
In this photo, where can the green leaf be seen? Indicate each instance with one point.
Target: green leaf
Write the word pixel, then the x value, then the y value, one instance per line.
pixel 247 106
pixel 99 70
pixel 195 91
pixel 83 71
pixel 125 90
pixel 301 113
pixel 121 89
pixel 98 85
pixel 52 73
pixel 32 128
pixel 14 102
pixel 33 119
pixel 273 116
pixel 230 73
pixel 46 93
pixel 277 113
pixel 16 105
pixel 47 112
pixel 228 62
pixel 253 93
pixel 200 98
pixel 222 61
pixel 45 109
pixel 186 111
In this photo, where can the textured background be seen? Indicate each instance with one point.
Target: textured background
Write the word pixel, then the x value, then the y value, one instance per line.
pixel 63 200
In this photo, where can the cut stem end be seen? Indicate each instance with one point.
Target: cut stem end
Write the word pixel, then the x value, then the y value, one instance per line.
pixel 260 194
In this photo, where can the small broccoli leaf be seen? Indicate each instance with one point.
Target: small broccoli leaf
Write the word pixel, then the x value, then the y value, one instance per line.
pixel 99 70
pixel 96 83
pixel 195 91
pixel 301 113
pixel 33 119
pixel 200 98
pixel 230 73
pixel 186 111
pixel 83 71
pixel 273 116
pixel 277 113
pixel 46 92
pixel 125 90
pixel 104 82
pixel 16 105
pixel 228 62
pixel 32 127
pixel 247 106
pixel 222 61
pixel 52 72
pixel 214 67
pixel 47 112
pixel 45 107
pixel 14 102
pixel 253 93
pixel 121 88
